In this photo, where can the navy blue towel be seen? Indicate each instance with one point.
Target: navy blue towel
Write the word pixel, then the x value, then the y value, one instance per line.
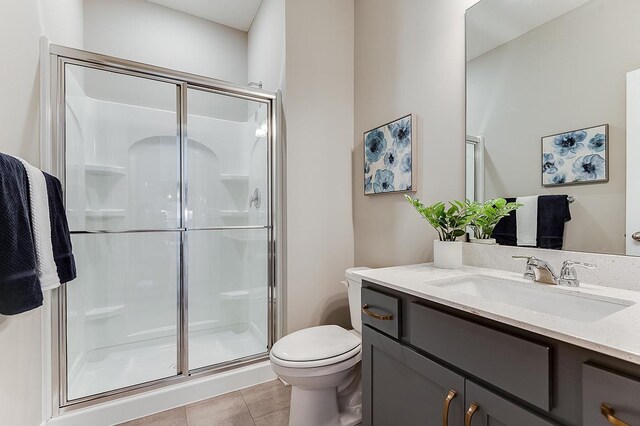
pixel 20 289
pixel 553 212
pixel 60 237
pixel 505 231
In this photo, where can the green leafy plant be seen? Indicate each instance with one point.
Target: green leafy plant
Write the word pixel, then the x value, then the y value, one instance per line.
pixel 485 216
pixel 450 223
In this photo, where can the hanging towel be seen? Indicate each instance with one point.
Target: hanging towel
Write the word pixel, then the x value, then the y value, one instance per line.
pixel 505 230
pixel 527 221
pixel 553 212
pixel 20 289
pixel 60 237
pixel 41 227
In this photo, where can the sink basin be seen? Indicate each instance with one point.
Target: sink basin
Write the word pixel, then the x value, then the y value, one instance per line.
pixel 536 297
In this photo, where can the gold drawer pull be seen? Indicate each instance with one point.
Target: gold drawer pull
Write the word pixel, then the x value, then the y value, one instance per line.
pixel 470 412
pixel 609 412
pixel 367 312
pixel 445 410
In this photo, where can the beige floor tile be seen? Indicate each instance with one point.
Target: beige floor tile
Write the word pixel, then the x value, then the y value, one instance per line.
pixel 224 410
pixel 277 418
pixel 267 398
pixel 175 417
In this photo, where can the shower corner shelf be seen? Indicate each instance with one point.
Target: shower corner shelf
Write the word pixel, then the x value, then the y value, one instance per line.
pixel 104 313
pixel 101 169
pixel 105 213
pixel 231 178
pixel 234 214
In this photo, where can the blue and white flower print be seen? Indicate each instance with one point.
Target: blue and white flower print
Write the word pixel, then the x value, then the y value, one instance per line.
pixel 597 143
pixel 405 163
pixel 550 164
pixel 575 157
pixel 375 145
pixel 567 144
pixel 388 165
pixel 401 132
pixel 589 167
pixel 383 181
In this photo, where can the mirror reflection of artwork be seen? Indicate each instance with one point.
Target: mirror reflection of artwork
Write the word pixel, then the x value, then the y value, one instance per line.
pixel 575 157
pixel 388 157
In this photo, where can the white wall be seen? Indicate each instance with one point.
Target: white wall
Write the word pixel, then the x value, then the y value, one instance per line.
pixel 409 58
pixel 146 32
pixel 266 46
pixel 552 80
pixel 319 114
pixel 21 24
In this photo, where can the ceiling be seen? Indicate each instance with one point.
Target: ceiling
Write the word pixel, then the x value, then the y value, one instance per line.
pixel 491 23
pixel 237 14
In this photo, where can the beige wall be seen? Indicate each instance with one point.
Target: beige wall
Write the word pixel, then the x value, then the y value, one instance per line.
pixel 552 80
pixel 409 58
pixel 266 46
pixel 21 24
pixel 319 115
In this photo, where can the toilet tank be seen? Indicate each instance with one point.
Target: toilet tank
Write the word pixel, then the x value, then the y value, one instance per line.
pixel 354 284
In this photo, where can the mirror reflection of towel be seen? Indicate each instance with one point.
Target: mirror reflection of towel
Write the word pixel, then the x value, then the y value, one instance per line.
pixel 553 212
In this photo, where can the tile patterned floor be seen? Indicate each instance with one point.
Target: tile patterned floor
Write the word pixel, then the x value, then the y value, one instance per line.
pixel 266 404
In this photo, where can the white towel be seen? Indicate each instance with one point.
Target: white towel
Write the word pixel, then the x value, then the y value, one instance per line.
pixel 41 227
pixel 527 221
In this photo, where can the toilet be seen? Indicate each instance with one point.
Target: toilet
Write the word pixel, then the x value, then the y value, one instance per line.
pixel 322 365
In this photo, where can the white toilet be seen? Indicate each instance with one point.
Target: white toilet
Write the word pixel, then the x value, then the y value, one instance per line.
pixel 322 365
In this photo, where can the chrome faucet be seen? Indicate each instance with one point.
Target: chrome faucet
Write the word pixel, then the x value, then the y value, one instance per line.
pixel 540 271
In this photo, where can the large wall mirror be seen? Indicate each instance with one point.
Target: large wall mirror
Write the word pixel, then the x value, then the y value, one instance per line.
pixel 550 87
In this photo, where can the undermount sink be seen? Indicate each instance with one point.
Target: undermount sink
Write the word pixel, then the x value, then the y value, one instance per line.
pixel 536 297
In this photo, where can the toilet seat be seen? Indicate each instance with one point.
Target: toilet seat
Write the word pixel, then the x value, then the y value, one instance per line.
pixel 316 347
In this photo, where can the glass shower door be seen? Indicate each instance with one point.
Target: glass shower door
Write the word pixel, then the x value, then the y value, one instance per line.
pixel 122 175
pixel 227 228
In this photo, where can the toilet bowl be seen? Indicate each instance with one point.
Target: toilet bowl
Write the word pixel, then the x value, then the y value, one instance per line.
pixel 322 365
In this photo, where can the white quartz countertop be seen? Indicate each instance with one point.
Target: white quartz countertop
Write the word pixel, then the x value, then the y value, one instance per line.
pixel 617 334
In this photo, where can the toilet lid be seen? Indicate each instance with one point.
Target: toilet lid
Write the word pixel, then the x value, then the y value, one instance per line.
pixel 315 343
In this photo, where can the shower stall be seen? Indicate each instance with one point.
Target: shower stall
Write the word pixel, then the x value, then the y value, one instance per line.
pixel 170 183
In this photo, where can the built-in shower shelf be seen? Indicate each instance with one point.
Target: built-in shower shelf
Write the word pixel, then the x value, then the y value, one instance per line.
pixel 105 213
pixel 234 295
pixel 234 214
pixel 231 178
pixel 101 169
pixel 104 312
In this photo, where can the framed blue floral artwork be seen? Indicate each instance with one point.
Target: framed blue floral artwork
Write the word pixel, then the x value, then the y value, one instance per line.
pixel 576 157
pixel 389 157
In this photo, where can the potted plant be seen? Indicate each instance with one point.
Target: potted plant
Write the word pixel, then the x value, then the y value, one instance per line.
pixel 485 216
pixel 450 223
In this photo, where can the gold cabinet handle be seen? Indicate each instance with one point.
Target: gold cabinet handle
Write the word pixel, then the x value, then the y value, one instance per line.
pixel 470 412
pixel 367 312
pixel 609 412
pixel 445 409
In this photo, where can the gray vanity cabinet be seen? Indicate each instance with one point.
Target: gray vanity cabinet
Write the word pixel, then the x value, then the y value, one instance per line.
pixel 402 387
pixel 485 408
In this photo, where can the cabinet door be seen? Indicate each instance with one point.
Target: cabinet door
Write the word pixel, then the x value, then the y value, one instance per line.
pixel 608 397
pixel 402 387
pixel 485 408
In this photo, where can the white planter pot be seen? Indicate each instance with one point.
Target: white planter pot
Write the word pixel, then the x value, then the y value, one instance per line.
pixel 447 254
pixel 489 241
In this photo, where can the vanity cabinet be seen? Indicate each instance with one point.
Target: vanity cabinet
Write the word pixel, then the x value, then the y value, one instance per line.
pixel 428 364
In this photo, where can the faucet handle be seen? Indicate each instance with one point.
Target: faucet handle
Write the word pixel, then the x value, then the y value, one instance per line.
pixel 568 274
pixel 528 273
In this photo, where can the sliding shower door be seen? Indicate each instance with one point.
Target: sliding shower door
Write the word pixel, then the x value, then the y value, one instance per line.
pixel 122 177
pixel 227 228
pixel 168 196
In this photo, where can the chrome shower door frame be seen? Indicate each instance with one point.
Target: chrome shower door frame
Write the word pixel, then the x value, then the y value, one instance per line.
pixel 54 161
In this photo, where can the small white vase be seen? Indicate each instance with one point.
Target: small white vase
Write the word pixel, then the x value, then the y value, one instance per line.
pixel 488 241
pixel 447 254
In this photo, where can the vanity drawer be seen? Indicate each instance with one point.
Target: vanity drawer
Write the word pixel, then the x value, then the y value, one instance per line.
pixel 381 312
pixel 518 366
pixel 621 393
